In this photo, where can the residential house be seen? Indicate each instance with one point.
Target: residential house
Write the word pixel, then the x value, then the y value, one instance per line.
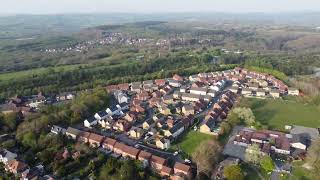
pixel 114 110
pixel 101 115
pixel 118 148
pixel 293 91
pixel 168 99
pixel 175 131
pixel 6 156
pixel 198 91
pixel 57 129
pixel 187 109
pixel 157 162
pixel 163 143
pixel 144 156
pixel 275 93
pixel 176 95
pixel 183 89
pixel 206 98
pixel 160 82
pixel 148 124
pixel 136 132
pixel 234 89
pixel 246 91
pixel 166 171
pixel 95 140
pixel 122 125
pixel 123 87
pixel 174 83
pixel 73 133
pixel 261 93
pixel 121 97
pixel 107 123
pixel 128 151
pixel 208 126
pixel 212 93
pixel 122 106
pixel 190 97
pixel 163 109
pixel 91 121
pixel 84 136
pixel 15 166
pixel 131 116
pixel 182 168
pixel 109 143
pixel 143 96
pixel 177 78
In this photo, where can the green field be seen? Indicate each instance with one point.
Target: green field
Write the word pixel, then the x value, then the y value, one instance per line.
pixel 189 142
pixel 277 113
pixel 36 71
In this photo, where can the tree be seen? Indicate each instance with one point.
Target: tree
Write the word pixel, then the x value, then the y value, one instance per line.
pixel 233 172
pixel 129 170
pixel 313 157
pixel 253 154
pixel 245 115
pixel 225 127
pixel 207 155
pixel 267 163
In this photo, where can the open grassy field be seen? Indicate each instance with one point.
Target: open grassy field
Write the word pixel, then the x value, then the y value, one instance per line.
pixel 277 113
pixel 189 142
pixel 37 71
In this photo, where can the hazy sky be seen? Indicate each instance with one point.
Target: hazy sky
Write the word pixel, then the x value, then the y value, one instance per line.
pixel 149 6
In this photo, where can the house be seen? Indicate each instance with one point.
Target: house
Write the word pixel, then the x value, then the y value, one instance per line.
pixel 122 125
pixel 114 110
pixel 143 96
pixel 73 133
pixel 174 83
pixel 234 89
pixel 260 93
pixel 123 87
pixel 216 88
pixel 95 140
pixel 136 132
pixel 293 91
pixel 109 143
pixel 198 91
pixel 6 156
pixel 122 106
pixel 175 131
pixel 183 89
pixel 206 98
pixel 160 82
pixel 144 156
pixel 148 83
pixel 176 95
pixel 118 148
pixel 121 97
pixel 84 136
pixel 57 129
pixel 299 142
pixel 168 99
pixel 190 97
pixel 131 116
pixel 212 93
pixel 182 168
pixel 91 121
pixel 32 173
pixel 136 88
pixel 166 171
pixel 312 134
pixel 208 126
pixel 101 115
pixel 15 166
pixel 148 124
pixel 275 93
pixel 163 143
pixel 106 123
pixel 128 151
pixel 254 86
pixel 164 110
pixel 177 78
pixel 157 162
pixel 246 91
pixel 187 109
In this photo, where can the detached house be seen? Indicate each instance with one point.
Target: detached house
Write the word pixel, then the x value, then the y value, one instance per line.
pixel 187 110
pixel 208 126
pixel 136 132
pixel 6 156
pixel 148 124
pixel 15 166
pixel 163 143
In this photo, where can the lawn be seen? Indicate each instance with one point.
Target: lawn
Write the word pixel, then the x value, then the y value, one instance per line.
pixel 277 113
pixel 189 142
pixel 299 172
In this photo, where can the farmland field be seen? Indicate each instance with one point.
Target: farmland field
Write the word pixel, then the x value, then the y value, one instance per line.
pixel 277 113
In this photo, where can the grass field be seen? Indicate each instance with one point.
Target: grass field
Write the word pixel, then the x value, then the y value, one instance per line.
pixel 37 71
pixel 277 113
pixel 189 142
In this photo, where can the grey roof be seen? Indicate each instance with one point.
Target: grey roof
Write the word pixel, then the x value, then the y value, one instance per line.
pixel 234 150
pixel 176 127
pixel 74 131
pixel 101 114
pixel 91 119
pixel 310 133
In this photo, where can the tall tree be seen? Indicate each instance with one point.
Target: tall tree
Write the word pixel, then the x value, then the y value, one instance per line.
pixel 253 154
pixel 233 172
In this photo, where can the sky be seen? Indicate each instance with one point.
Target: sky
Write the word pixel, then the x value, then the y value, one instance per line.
pixel 154 6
